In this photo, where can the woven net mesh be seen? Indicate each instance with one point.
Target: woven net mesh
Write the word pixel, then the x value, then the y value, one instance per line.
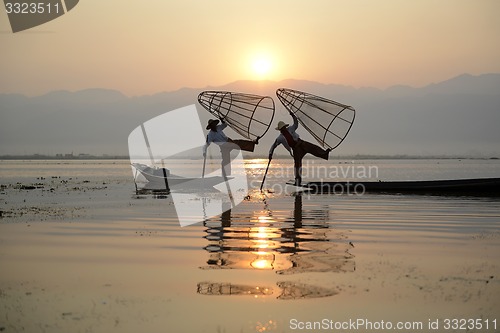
pixel 249 115
pixel 327 121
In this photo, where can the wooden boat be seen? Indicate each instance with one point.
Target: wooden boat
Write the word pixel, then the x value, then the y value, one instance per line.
pixel 478 186
pixel 156 176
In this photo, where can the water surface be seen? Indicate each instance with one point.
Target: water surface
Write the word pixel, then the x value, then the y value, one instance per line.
pixel 84 252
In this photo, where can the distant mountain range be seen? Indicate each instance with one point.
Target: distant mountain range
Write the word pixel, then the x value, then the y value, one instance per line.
pixel 459 116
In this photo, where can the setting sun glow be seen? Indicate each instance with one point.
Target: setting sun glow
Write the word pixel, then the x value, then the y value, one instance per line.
pixel 261 66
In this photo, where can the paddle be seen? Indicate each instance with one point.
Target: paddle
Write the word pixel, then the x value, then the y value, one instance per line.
pixel 204 163
pixel 265 173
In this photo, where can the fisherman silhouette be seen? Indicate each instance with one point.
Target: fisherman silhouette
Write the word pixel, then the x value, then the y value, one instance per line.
pixel 226 144
pixel 297 147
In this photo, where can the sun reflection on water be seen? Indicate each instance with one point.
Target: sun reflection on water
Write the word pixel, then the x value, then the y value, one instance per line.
pixel 283 242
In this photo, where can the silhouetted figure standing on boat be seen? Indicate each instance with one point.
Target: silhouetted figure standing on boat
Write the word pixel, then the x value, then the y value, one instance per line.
pixel 226 145
pixel 297 147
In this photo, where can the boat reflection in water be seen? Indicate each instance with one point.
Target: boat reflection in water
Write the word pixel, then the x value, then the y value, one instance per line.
pixel 302 241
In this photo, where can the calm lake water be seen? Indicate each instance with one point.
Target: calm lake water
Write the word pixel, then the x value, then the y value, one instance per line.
pixel 97 256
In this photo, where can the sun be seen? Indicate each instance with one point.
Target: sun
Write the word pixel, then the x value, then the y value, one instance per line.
pixel 262 66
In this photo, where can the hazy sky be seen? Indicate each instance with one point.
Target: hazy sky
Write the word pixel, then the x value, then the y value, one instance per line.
pixel 145 47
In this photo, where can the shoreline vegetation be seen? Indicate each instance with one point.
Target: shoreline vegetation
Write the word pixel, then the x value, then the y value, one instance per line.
pixel 339 157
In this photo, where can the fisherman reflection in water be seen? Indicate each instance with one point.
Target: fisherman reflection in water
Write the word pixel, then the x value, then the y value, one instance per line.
pixel 226 145
pixel 298 148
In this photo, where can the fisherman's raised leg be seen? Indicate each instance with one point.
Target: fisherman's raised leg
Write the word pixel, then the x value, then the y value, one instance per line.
pixel 315 150
pixel 245 145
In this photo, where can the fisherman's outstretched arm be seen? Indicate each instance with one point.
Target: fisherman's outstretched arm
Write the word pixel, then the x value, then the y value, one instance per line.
pixel 295 121
pixel 273 147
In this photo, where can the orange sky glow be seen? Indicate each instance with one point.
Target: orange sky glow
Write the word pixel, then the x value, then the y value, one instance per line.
pixel 148 47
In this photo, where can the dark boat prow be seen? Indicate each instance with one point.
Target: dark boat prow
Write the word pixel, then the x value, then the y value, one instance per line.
pixel 473 187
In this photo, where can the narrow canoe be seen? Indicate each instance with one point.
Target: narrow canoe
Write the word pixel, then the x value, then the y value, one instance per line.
pixel 478 186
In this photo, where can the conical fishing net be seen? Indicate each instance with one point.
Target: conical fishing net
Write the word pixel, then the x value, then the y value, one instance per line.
pixel 327 121
pixel 248 115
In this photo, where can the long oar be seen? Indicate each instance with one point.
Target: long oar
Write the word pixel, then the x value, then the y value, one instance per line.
pixel 265 174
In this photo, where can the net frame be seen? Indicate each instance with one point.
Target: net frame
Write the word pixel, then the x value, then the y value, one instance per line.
pixel 294 100
pixel 222 104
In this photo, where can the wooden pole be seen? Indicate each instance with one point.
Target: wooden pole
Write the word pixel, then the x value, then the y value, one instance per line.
pixel 265 174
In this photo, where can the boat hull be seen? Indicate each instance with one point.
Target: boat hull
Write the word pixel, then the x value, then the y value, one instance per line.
pixel 478 186
pixel 156 178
